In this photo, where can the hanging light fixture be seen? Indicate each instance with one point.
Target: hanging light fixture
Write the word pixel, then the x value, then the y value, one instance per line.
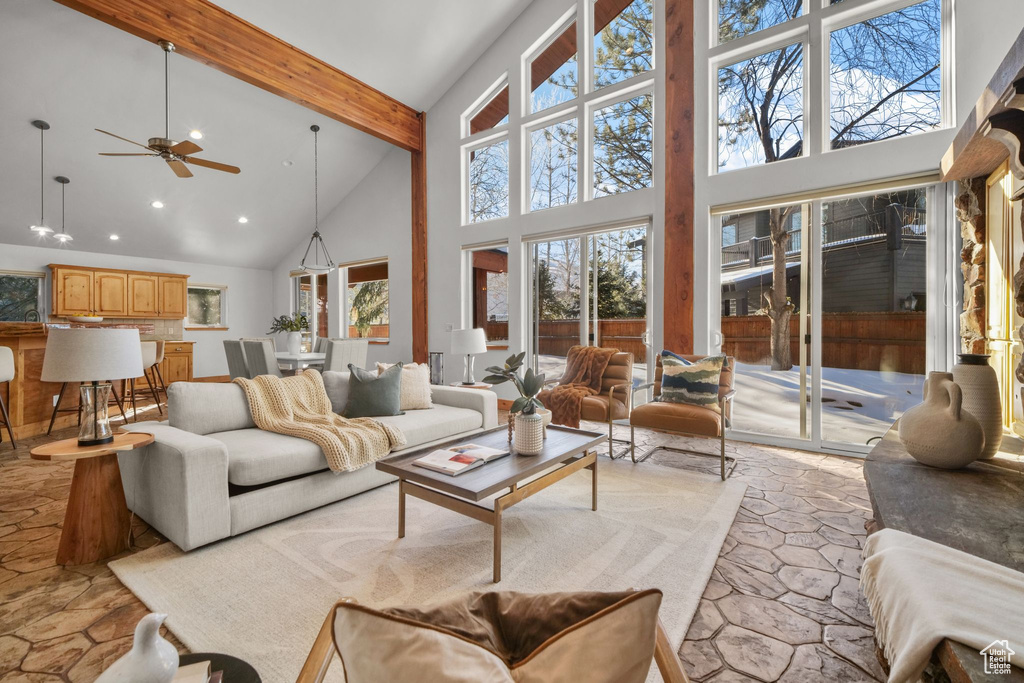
pixel 40 228
pixel 62 236
pixel 316 242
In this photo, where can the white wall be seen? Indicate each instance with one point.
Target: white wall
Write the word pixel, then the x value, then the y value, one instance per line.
pixel 249 290
pixel 373 221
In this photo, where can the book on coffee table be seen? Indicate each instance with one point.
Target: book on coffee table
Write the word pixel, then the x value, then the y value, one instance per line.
pixel 458 459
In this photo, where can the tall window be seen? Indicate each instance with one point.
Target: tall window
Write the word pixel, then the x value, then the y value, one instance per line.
pixel 488 269
pixel 488 182
pixel 207 306
pixel 21 296
pixel 554 75
pixel 623 40
pixel 367 301
pixel 623 137
pixel 553 153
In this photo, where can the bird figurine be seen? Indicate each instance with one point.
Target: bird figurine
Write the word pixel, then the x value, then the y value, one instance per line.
pixel 152 658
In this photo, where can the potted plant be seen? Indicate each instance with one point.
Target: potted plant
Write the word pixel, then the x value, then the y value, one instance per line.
pixel 527 409
pixel 294 326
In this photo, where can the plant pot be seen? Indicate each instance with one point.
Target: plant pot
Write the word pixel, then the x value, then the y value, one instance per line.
pixel 980 387
pixel 529 434
pixel 294 343
pixel 939 432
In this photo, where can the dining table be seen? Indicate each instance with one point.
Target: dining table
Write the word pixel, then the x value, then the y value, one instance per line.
pixel 298 361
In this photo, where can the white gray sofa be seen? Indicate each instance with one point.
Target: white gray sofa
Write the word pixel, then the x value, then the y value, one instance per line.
pixel 211 473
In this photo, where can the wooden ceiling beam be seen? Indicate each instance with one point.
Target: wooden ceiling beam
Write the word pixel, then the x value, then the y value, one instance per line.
pixel 212 35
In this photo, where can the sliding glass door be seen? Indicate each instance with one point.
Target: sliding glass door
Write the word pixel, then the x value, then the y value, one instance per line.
pixel 590 289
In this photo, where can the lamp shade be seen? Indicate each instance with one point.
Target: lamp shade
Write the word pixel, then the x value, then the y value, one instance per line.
pixel 466 342
pixel 91 355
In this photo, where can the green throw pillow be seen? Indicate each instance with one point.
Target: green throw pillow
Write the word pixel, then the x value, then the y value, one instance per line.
pixel 373 395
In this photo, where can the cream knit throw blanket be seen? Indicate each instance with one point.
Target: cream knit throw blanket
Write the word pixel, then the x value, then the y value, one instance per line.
pixel 298 406
pixel 920 592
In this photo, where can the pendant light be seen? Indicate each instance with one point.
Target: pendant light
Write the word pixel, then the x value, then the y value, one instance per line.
pixel 62 236
pixel 316 242
pixel 40 228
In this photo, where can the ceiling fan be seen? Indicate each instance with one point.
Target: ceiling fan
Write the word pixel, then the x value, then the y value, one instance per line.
pixel 176 154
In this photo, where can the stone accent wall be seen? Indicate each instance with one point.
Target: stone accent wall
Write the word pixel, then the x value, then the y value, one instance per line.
pixel 168 330
pixel 970 195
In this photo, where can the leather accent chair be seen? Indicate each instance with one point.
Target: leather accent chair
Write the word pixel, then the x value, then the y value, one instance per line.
pixel 614 400
pixel 684 419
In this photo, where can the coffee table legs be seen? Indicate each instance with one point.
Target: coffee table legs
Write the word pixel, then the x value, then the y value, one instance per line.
pixel 96 522
pixel 497 543
pixel 401 509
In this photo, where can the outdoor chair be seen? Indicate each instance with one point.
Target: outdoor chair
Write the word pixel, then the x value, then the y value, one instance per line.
pixel 684 419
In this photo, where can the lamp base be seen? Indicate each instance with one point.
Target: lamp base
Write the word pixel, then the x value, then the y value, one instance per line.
pixel 95 442
pixel 95 429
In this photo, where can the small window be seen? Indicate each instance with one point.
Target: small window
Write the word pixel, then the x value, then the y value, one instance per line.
pixel 886 76
pixel 206 306
pixel 367 301
pixel 761 109
pixel 489 273
pixel 21 297
pixel 491 112
pixel 553 165
pixel 488 182
pixel 623 40
pixel 623 137
pixel 554 75
pixel 738 18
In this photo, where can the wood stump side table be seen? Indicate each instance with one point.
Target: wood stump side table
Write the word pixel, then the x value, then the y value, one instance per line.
pixel 96 522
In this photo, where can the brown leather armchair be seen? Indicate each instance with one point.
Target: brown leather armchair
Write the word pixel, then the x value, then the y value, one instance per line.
pixel 684 419
pixel 614 401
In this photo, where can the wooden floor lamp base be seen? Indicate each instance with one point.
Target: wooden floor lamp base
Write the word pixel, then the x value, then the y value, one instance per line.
pixel 97 522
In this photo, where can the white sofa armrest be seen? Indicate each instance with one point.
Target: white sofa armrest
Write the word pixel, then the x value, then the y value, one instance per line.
pixel 482 401
pixel 179 484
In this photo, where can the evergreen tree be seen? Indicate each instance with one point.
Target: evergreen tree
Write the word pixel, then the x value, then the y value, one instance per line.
pixel 369 306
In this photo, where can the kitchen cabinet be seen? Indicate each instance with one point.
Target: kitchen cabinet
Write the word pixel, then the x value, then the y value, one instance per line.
pixel 110 298
pixel 173 297
pixel 177 363
pixel 118 293
pixel 72 291
pixel 143 295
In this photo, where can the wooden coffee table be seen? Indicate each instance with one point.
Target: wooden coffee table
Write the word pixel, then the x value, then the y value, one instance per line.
pixel 566 450
pixel 96 522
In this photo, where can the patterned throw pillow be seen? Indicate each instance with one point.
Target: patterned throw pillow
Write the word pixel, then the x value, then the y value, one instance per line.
pixel 415 385
pixel 694 383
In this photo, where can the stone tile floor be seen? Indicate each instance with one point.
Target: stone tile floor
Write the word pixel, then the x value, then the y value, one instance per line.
pixel 782 604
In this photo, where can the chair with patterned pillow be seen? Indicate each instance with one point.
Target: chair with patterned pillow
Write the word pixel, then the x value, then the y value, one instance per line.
pixel 686 418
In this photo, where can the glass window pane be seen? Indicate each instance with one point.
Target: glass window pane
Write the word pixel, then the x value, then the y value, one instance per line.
pixel 553 165
pixel 19 296
pixel 492 113
pixel 553 72
pixel 737 18
pixel 886 77
pixel 874 305
pixel 368 309
pixel 761 108
pixel 488 182
pixel 623 137
pixel 489 285
pixel 204 306
pixel 623 39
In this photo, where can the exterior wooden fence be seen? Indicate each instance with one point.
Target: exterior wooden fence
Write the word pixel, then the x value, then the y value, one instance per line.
pixel 376 331
pixel 893 342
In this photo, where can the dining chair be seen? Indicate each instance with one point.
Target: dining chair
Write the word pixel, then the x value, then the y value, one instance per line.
pixel 260 358
pixel 341 352
pixel 6 377
pixel 237 366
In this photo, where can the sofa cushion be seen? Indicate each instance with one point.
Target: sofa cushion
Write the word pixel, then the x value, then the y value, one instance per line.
pixel 207 407
pixel 677 417
pixel 336 385
pixel 258 457
pixel 373 395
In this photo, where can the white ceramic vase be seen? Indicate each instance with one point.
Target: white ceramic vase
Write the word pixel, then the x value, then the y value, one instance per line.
pixel 939 432
pixel 529 434
pixel 294 343
pixel 977 380
pixel 545 416
pixel 151 660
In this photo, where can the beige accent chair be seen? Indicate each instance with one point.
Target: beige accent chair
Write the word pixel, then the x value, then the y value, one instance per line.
pixel 6 377
pixel 495 637
pixel 684 419
pixel 341 352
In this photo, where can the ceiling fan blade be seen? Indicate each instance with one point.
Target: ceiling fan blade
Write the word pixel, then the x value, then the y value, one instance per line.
pixel 121 138
pixel 212 164
pixel 180 169
pixel 186 147
pixel 123 154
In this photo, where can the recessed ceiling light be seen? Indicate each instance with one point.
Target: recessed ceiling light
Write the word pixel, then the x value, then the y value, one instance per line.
pixel 157 204
pixel 243 219
pixel 196 134
pixel 287 163
pixel 114 238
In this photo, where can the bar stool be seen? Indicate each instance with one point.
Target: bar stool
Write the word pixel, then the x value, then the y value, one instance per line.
pixel 118 400
pixel 149 351
pixel 161 386
pixel 6 377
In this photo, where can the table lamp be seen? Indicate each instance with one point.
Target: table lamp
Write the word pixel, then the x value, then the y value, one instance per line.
pixel 468 343
pixel 92 355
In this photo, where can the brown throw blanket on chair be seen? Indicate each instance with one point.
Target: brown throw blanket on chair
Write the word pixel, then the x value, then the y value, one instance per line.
pixel 298 406
pixel 584 368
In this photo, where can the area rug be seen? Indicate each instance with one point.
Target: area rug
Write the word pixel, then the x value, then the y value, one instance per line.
pixel 263 596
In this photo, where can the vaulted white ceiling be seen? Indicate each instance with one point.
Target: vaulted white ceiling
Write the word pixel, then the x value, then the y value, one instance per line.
pixel 78 74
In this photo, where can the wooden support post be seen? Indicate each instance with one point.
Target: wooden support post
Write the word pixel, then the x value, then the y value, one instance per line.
pixel 420 345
